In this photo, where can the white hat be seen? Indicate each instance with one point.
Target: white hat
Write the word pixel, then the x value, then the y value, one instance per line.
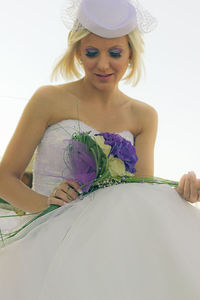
pixel 107 18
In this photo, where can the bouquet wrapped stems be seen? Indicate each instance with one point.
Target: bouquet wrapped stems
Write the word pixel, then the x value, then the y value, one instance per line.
pixel 106 181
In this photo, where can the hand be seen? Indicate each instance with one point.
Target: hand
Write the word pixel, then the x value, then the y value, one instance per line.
pixel 189 187
pixel 66 192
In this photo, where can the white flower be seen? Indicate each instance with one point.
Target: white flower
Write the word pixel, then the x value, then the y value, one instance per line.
pixel 116 167
pixel 100 141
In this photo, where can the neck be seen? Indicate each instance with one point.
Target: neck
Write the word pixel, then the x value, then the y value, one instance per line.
pixel 104 97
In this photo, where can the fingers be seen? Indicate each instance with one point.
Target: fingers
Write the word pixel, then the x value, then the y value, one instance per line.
pixel 65 197
pixel 66 192
pixel 180 187
pixel 188 187
pixel 193 188
pixel 198 184
pixel 73 185
pixel 53 200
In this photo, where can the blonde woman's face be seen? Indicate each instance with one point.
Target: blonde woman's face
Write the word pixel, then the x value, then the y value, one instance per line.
pixel 104 60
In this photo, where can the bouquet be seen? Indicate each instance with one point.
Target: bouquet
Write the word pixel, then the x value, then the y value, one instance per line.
pixel 103 160
pixel 94 162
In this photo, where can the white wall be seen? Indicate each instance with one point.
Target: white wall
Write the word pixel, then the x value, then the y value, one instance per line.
pixel 32 37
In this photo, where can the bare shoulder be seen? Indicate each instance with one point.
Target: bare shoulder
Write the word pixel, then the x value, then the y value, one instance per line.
pixel 62 101
pixel 45 101
pixel 144 113
pixel 44 94
pixel 38 111
pixel 142 107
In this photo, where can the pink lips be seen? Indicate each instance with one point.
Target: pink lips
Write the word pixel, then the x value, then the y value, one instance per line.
pixel 103 77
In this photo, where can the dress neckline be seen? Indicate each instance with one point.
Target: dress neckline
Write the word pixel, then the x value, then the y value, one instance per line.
pixel 85 124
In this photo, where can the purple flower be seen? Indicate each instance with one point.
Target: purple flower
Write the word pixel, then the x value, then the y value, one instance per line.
pixel 122 149
pixel 81 165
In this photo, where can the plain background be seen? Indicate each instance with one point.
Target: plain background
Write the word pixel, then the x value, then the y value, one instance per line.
pixel 32 38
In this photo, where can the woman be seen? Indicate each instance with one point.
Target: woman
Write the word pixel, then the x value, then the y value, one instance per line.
pixel 130 241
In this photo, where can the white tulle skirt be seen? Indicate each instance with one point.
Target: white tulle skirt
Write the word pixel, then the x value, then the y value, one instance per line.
pixel 127 242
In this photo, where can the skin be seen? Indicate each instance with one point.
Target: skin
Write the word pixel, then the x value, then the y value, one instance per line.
pixel 97 102
pixel 189 187
pixel 104 62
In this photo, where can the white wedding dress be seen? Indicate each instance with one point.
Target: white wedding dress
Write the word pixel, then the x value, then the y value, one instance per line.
pixel 134 241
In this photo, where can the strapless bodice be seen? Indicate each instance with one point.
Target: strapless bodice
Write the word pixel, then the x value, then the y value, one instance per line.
pixel 49 161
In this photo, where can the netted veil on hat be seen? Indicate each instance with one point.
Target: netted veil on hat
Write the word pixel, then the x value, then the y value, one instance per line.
pixel 107 18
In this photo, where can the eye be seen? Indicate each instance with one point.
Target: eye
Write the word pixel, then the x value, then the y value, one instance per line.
pixel 91 53
pixel 115 54
pixel 94 53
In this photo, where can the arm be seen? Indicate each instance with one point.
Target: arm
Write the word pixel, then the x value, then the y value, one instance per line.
pixel 28 133
pixel 189 186
pixel 145 140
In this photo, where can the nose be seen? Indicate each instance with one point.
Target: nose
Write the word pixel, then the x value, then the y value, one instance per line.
pixel 103 63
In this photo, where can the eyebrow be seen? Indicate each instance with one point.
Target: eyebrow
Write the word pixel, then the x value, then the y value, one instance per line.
pixel 115 46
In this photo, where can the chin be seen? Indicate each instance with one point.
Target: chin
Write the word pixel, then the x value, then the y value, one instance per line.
pixel 104 86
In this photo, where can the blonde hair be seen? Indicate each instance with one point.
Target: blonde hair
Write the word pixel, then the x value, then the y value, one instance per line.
pixel 69 66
